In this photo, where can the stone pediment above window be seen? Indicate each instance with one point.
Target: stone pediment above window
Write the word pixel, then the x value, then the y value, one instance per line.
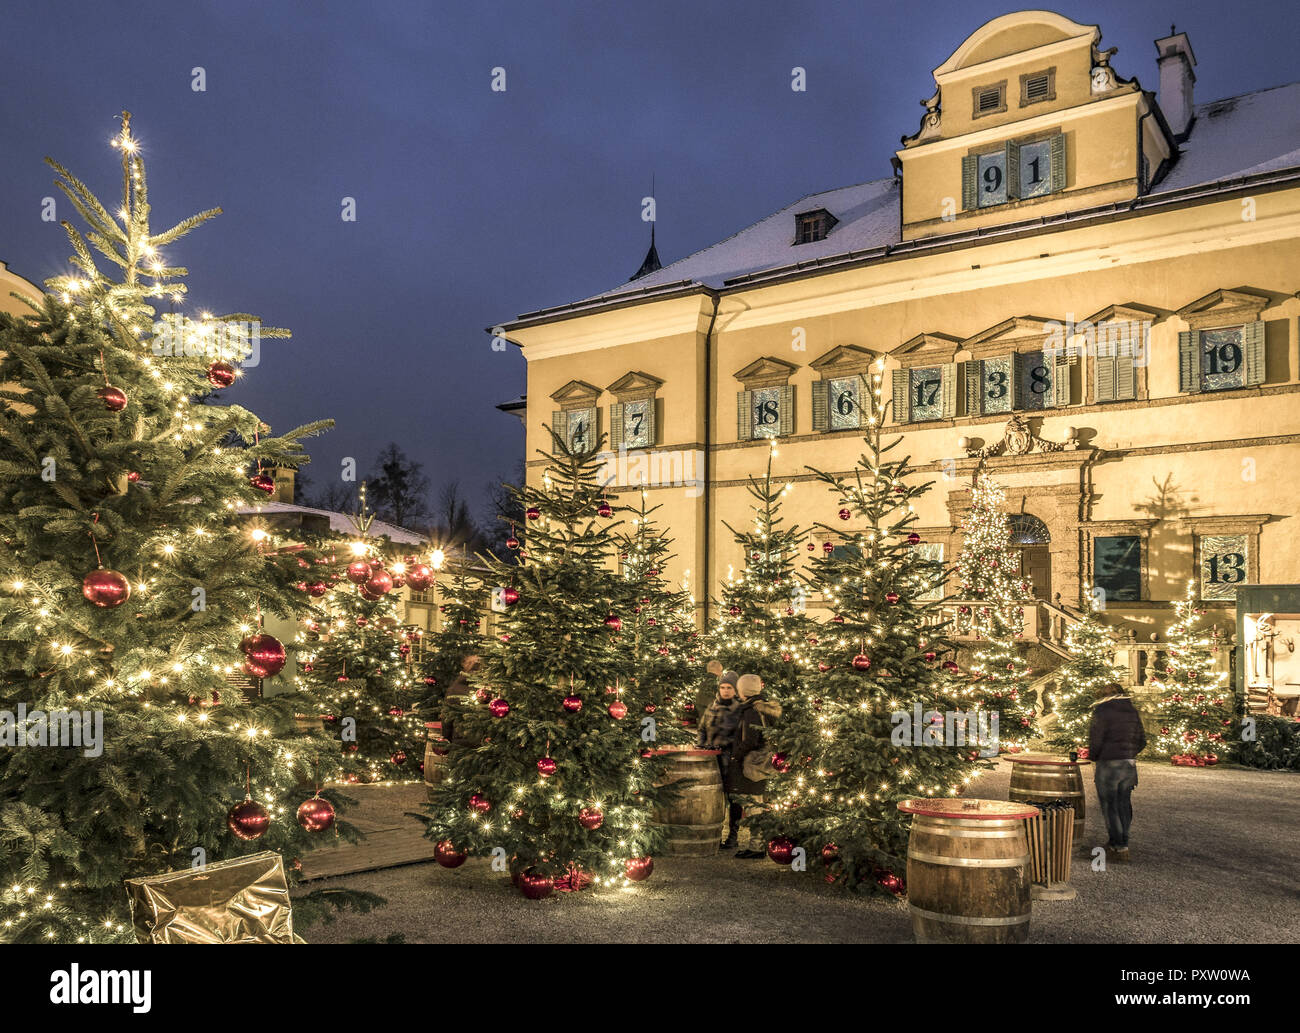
pixel 926 350
pixel 634 385
pixel 1019 333
pixel 1221 308
pixel 843 361
pixel 766 372
pixel 576 394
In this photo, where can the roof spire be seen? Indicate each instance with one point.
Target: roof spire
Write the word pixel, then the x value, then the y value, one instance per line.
pixel 651 263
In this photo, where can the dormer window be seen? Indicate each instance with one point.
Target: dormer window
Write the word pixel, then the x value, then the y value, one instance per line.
pixel 813 226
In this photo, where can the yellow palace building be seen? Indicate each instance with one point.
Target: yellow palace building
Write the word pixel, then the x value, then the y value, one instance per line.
pixel 1087 287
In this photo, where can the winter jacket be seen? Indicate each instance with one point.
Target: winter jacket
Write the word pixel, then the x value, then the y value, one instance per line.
pixel 752 716
pixel 1116 732
pixel 718 723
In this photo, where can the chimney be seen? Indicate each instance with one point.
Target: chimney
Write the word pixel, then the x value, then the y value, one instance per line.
pixel 284 484
pixel 1176 61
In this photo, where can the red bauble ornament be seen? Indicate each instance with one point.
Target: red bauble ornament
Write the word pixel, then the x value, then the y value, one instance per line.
pixel 398 758
pixel 614 622
pixel 263 482
pixel 862 661
pixel 317 589
pixel 419 576
pixel 812 546
pixel 105 588
pixel 845 514
pixel 316 815
pixel 481 695
pixel 734 611
pixel 591 818
pixel 837 619
pixel 929 656
pixel 571 704
pixel 546 767
pixel 380 582
pixel 248 820
pixel 512 542
pixel 533 513
pixel 913 539
pixel 889 881
pixel 781 849
pixel 830 853
pixel 780 762
pixel 359 572
pixel 604 510
pixel 891 597
pixel 510 596
pixel 649 708
pixel 536 886
pixel 950 666
pixel 617 710
pixel 447 855
pixel 479 802
pixel 114 398
pixel 787 657
pixel 265 655
pixel 499 708
pixel 221 374
pixel 638 869
pixel 133 476
pixel 828 548
pixel 823 667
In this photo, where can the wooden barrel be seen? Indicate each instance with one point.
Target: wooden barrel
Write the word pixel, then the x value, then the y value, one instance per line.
pixel 968 871
pixel 693 819
pixel 1046 778
pixel 435 758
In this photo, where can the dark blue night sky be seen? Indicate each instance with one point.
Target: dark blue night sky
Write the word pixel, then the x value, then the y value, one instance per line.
pixel 474 206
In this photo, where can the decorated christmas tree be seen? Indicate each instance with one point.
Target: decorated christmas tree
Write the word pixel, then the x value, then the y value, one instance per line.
pixel 131 645
pixel 870 725
pixel 547 762
pixel 988 570
pixel 460 634
pixel 1091 665
pixel 761 626
pixel 658 627
pixel 1195 707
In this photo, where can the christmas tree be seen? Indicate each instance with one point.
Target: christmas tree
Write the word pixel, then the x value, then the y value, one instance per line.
pixel 988 569
pixel 761 626
pixel 1091 665
pixel 359 663
pixel 557 778
pixel 659 630
pixel 871 726
pixel 128 583
pixel 1195 705
pixel 460 635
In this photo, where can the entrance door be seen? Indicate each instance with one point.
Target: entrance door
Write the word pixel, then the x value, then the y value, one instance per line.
pixel 1036 563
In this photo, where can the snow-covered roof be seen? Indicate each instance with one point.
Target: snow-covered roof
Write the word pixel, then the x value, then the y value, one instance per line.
pixel 1237 136
pixel 339 522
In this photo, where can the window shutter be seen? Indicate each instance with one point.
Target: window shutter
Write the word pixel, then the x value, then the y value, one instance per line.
pixel 1017 380
pixel 560 425
pixel 1125 375
pixel 821 421
pixel 1060 380
pixel 616 426
pixel 744 416
pixel 1013 170
pixel 969 183
pixel 974 387
pixel 1189 362
pixel 1252 351
pixel 1104 376
pixel 902 397
pixel 948 385
pixel 652 421
pixel 787 410
pixel 866 398
pixel 595 444
pixel 1058 162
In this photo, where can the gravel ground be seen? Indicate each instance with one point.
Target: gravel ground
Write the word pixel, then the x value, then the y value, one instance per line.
pixel 1214 861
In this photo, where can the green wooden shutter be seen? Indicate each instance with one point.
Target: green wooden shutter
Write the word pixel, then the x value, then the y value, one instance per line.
pixel 1058 162
pixel 820 416
pixel 1125 374
pixel 560 425
pixel 1189 362
pixel 948 385
pixel 1013 170
pixel 1104 376
pixel 616 426
pixel 867 398
pixel 902 397
pixel 1060 379
pixel 744 416
pixel 1252 351
pixel 974 387
pixel 787 410
pixel 652 421
pixel 970 182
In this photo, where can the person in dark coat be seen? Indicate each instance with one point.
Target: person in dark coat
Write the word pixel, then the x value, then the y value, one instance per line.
pixel 717 730
pixel 1115 739
pixel 752 716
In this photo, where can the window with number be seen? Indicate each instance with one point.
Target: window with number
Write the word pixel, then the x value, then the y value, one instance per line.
pixel 994 385
pixel 1034 380
pixel 1035 168
pixel 1117 567
pixel 1222 365
pixel 582 429
pixel 636 423
pixel 1224 562
pixel 926 392
pixel 844 402
pixel 992 179
pixel 1016 171
pixel 1222 358
pixel 765 406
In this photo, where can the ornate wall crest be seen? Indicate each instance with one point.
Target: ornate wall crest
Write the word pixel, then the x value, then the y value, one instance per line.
pixel 1019 439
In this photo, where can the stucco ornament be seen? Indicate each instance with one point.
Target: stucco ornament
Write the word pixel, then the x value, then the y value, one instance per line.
pixel 1019 439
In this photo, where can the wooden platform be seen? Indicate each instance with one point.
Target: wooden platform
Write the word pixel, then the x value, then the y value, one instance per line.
pixel 391 839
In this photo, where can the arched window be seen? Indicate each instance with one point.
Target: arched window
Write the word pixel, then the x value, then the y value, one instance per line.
pixel 1028 530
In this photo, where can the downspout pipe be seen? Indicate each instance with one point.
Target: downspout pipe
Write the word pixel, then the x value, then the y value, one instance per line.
pixel 707 517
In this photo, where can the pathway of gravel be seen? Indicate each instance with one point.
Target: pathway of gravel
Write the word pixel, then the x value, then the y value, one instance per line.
pixel 1215 859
